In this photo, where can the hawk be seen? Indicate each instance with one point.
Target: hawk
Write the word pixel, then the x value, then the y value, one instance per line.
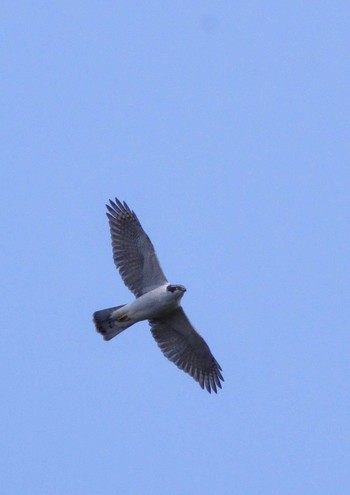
pixel 156 300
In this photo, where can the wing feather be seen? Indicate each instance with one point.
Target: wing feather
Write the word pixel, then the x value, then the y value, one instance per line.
pixel 133 251
pixel 182 344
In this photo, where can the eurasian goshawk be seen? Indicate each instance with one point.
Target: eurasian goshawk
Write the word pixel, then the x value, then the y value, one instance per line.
pixel 156 301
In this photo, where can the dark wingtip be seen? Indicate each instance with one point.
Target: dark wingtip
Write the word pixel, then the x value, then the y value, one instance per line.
pixel 119 203
pixel 118 207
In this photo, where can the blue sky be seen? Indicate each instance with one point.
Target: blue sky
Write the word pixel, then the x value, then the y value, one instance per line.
pixel 225 126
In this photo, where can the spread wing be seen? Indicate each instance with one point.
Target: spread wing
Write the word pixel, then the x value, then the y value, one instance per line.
pixel 133 252
pixel 180 343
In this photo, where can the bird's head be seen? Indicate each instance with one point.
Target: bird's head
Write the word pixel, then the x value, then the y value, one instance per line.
pixel 177 290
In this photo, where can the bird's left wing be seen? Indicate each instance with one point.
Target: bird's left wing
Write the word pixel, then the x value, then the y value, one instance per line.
pixel 179 342
pixel 133 251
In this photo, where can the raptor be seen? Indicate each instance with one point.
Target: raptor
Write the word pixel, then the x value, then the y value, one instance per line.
pixel 156 300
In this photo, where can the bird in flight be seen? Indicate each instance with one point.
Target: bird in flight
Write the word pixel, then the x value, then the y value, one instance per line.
pixel 157 301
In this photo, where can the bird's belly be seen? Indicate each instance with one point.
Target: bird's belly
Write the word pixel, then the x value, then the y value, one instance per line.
pixel 150 306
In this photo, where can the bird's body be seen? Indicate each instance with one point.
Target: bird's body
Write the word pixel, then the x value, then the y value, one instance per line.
pixel 153 304
pixel 156 301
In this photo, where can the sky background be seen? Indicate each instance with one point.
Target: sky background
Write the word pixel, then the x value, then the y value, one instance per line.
pixel 225 126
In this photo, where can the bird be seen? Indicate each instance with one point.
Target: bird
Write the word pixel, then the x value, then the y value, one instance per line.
pixel 156 300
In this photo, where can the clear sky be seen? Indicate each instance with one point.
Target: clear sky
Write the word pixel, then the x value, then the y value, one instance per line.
pixel 225 126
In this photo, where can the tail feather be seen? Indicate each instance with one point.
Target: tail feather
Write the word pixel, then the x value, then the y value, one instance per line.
pixel 107 326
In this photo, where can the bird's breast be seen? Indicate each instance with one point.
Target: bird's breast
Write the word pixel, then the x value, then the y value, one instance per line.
pixel 153 304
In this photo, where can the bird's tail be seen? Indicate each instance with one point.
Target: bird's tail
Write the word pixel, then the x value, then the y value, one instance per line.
pixel 109 327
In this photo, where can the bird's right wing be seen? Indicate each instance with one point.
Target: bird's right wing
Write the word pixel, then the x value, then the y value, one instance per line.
pixel 133 252
pixel 179 342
